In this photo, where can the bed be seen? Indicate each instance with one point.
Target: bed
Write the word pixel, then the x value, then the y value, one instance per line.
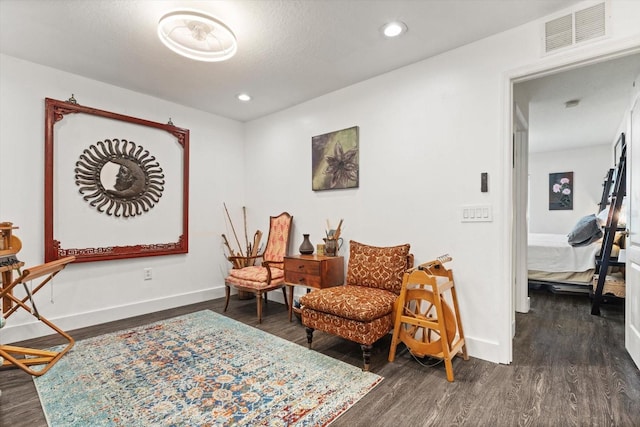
pixel 567 263
pixel 552 261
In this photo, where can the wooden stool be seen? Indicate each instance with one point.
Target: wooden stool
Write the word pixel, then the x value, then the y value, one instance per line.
pixel 424 322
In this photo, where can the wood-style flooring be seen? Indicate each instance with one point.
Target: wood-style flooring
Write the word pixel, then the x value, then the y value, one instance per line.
pixel 569 369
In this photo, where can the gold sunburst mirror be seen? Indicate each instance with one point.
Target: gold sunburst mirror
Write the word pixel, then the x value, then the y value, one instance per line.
pixel 121 177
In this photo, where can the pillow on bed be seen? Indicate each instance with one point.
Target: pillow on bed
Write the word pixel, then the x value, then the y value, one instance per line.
pixel 586 231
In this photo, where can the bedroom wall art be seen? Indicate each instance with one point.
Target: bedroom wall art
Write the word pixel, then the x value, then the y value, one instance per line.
pixel 335 160
pixel 561 191
pixel 115 186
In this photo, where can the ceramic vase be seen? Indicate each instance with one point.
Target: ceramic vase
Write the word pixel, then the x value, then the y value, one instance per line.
pixel 306 248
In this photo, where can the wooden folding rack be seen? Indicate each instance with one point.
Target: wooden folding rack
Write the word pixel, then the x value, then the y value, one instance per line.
pixel 23 357
pixel 424 322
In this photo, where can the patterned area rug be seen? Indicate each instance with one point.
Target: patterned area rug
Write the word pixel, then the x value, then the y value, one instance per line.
pixel 201 369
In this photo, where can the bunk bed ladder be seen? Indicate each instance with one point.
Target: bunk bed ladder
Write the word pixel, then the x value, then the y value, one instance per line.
pixel 604 261
pixel 606 191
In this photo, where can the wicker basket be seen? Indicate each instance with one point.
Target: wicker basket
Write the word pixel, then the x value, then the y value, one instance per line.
pixel 614 284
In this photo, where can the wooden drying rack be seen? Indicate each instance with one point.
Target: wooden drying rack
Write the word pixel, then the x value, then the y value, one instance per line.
pixel 424 322
pixel 23 357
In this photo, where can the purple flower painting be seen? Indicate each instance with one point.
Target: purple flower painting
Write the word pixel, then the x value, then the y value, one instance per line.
pixel 561 191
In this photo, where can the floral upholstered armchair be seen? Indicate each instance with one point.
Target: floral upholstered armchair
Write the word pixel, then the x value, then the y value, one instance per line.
pixel 269 276
pixel 361 310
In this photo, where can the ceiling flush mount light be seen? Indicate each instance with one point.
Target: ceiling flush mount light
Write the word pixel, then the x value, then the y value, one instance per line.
pixel 394 29
pixel 197 35
pixel 244 97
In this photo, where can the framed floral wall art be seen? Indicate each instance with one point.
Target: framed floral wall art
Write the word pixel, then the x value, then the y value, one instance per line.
pixel 561 191
pixel 335 160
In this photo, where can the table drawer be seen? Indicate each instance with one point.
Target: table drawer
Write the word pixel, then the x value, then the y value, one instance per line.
pixel 310 280
pixel 302 266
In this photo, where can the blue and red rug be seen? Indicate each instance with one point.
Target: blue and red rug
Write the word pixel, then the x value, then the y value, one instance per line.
pixel 201 369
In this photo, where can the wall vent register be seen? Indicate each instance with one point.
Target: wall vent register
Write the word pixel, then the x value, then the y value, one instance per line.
pixel 576 27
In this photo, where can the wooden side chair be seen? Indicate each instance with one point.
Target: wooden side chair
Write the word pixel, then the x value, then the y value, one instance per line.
pixel 269 276
pixel 362 310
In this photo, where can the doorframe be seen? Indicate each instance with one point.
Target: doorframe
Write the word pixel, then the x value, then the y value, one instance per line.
pixel 631 332
pixel 549 65
pixel 520 201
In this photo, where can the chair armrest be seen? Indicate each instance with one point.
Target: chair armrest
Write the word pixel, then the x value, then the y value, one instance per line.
pixel 410 261
pixel 276 264
pixel 269 264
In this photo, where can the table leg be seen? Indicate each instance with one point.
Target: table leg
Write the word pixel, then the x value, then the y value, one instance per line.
pixel 290 302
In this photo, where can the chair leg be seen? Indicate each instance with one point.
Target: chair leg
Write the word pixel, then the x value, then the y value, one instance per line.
pixel 284 292
pixel 366 355
pixel 227 292
pixel 309 336
pixel 259 302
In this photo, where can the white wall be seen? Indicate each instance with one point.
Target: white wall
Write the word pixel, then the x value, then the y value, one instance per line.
pixel 90 293
pixel 427 131
pixel 589 166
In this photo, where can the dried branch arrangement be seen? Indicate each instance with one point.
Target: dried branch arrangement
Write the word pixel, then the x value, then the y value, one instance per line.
pixel 333 234
pixel 247 257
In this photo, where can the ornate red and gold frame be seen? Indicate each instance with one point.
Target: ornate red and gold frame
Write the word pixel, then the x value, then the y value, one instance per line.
pixel 55 112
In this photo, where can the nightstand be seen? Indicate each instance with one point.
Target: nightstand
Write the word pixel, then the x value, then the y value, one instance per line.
pixel 312 272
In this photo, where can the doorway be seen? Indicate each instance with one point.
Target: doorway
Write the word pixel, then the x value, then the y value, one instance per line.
pixel 533 94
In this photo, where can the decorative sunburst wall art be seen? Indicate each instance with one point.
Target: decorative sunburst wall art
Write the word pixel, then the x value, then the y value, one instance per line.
pixel 118 177
pixel 335 160
pixel 116 186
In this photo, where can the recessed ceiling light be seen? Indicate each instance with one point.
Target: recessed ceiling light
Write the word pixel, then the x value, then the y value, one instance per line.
pixel 244 97
pixel 197 35
pixel 394 29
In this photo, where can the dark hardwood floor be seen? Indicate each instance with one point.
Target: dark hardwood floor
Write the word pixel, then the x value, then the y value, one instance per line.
pixel 569 369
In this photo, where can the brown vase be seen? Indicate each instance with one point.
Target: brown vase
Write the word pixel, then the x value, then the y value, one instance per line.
pixel 306 248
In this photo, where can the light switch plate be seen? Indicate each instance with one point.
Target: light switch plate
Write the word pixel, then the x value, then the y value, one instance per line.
pixel 476 213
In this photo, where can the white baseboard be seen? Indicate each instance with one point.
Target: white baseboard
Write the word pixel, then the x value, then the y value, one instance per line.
pixel 478 348
pixel 35 329
pixel 485 350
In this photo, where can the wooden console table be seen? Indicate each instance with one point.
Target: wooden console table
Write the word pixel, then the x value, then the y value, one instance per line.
pixel 312 271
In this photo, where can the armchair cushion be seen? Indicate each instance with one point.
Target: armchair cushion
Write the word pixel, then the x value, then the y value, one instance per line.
pixel 255 273
pixel 352 302
pixel 377 267
pixel 278 239
pixel 361 332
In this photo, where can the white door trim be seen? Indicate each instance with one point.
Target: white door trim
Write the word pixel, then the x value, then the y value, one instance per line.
pixel 546 66
pixel 632 300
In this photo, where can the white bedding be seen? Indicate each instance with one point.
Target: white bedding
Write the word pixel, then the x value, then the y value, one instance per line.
pixel 551 252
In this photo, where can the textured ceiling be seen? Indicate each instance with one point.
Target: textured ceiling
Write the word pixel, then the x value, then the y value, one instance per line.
pixel 604 90
pixel 289 51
